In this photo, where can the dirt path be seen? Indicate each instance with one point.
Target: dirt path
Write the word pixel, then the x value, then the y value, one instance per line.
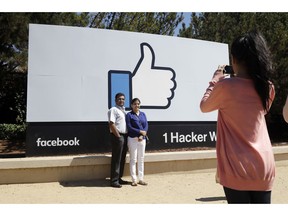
pixel 170 188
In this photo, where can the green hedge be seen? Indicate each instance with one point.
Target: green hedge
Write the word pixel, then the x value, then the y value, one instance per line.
pixel 13 131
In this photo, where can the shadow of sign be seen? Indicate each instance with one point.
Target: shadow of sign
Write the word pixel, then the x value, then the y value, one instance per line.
pixel 211 199
pixel 87 183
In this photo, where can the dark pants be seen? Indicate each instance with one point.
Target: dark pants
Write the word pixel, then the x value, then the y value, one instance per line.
pixel 246 197
pixel 119 151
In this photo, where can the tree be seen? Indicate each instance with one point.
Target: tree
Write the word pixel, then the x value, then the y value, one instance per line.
pixel 13 63
pixel 14 46
pixel 154 23
pixel 14 57
pixel 224 27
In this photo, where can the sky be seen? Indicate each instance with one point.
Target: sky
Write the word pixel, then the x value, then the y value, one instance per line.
pixel 186 20
pixel 185 6
pixel 140 6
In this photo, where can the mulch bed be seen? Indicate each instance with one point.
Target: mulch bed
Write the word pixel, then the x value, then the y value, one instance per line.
pixel 9 148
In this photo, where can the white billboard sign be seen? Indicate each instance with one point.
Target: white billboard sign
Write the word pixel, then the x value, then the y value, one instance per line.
pixel 74 73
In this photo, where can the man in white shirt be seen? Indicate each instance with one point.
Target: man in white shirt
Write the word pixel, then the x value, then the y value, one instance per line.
pixel 118 137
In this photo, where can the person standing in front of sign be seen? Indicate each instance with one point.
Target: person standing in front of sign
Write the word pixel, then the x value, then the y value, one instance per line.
pixel 137 126
pixel 118 137
pixel 245 160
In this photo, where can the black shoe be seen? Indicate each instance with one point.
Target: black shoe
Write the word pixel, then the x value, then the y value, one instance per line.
pixel 123 182
pixel 116 185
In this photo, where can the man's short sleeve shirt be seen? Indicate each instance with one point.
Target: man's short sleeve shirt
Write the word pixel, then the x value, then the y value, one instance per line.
pixel 117 116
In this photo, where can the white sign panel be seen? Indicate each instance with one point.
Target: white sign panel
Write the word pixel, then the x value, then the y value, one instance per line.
pixel 74 73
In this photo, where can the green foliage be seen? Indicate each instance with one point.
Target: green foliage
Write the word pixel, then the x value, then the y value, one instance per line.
pixel 14 57
pixel 154 23
pixel 12 132
pixel 219 27
pixel 14 46
pixel 224 27
pixel 13 98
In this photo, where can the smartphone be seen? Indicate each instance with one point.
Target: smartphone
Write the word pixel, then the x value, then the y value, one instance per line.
pixel 228 69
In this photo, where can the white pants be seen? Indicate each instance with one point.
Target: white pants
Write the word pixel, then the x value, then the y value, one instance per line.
pixel 136 152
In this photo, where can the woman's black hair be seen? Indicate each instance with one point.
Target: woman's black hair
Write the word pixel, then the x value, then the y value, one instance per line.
pixel 252 52
pixel 135 99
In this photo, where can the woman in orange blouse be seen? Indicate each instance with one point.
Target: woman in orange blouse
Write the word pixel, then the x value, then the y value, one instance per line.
pixel 245 160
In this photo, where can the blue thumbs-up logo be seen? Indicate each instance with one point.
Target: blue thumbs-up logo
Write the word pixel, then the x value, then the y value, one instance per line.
pixel 154 85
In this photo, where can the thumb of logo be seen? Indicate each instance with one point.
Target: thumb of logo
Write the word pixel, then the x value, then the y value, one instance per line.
pixel 154 85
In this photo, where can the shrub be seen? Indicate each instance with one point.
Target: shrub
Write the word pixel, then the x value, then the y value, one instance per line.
pixel 13 131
